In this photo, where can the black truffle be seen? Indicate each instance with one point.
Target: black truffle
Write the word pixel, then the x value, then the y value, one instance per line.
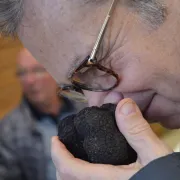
pixel 92 135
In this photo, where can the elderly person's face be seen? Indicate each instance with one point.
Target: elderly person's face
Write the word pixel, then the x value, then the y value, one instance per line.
pixel 37 84
pixel 143 50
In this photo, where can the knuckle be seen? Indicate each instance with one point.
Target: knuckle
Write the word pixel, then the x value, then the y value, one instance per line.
pixel 139 128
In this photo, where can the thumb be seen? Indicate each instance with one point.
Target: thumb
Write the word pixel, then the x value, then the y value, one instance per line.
pixel 138 132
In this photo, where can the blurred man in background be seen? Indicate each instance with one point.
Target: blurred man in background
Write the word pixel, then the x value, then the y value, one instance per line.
pixel 25 133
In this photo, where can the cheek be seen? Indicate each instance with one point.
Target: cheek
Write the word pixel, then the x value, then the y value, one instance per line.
pixel 25 86
pixel 135 74
pixel 51 86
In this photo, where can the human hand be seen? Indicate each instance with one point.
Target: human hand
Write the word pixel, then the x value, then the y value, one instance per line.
pixel 136 131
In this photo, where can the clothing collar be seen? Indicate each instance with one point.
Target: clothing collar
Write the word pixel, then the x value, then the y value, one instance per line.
pixel 67 106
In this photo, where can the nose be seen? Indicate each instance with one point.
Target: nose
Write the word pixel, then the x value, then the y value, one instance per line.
pixel 99 98
pixel 30 79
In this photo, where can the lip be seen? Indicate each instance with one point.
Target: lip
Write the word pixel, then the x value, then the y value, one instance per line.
pixel 113 97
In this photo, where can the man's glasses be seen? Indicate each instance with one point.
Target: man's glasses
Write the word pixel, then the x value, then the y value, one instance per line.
pixel 91 75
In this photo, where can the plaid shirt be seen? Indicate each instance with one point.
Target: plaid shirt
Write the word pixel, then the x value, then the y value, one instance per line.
pixel 22 153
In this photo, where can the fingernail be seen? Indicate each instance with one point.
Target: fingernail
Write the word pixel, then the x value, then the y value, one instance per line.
pixel 128 108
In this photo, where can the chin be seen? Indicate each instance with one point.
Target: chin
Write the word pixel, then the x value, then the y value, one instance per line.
pixel 37 100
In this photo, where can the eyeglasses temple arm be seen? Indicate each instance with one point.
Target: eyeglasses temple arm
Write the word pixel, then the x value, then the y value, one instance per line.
pixel 100 36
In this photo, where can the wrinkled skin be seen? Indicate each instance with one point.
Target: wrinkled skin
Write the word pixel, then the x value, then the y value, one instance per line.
pixel 60 32
pixel 147 61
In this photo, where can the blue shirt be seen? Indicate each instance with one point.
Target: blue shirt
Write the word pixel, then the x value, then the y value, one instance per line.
pixel 46 124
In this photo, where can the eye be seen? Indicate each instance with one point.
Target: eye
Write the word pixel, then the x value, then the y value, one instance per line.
pixel 21 72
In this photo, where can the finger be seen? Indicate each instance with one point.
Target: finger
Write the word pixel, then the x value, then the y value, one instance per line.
pixel 69 167
pixel 65 162
pixel 57 176
pixel 59 152
pixel 138 132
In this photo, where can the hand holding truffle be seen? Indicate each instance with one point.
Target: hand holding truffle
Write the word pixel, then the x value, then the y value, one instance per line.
pixel 137 132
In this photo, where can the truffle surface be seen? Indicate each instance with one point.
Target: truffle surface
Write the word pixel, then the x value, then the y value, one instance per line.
pixel 92 135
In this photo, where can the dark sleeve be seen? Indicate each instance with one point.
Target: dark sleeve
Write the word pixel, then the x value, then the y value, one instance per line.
pixel 165 168
pixel 9 167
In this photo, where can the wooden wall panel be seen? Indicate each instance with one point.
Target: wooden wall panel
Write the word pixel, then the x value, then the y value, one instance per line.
pixel 10 90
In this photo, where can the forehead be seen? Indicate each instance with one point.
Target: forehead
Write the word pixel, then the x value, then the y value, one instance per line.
pixel 59 33
pixel 25 59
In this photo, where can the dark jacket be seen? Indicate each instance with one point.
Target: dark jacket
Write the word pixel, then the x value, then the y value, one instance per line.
pixel 165 168
pixel 22 155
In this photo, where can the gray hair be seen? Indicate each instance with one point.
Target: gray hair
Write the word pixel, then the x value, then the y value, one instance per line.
pixel 11 13
pixel 152 12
